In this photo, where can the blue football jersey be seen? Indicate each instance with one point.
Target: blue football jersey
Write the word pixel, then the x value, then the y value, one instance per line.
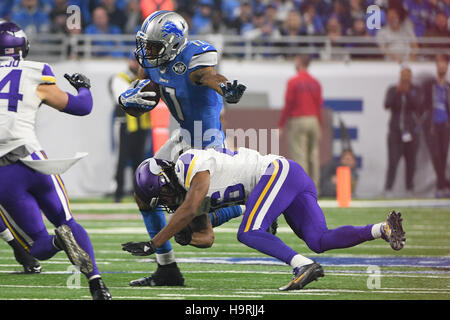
pixel 196 108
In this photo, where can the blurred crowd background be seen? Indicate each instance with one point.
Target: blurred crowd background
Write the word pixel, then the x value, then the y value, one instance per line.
pixel 274 18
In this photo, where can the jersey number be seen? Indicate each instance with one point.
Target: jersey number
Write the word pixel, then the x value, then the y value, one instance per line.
pixel 13 96
pixel 173 102
pixel 232 194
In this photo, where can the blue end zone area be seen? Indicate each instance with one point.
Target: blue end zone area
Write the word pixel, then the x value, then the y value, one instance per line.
pixel 417 262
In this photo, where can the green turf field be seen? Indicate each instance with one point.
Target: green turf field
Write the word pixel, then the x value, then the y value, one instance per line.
pixel 230 270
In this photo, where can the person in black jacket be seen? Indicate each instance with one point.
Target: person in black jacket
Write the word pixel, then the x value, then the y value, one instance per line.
pixel 403 101
pixel 436 112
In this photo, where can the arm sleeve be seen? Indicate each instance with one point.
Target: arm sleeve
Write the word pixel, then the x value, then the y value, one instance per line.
pixel 79 105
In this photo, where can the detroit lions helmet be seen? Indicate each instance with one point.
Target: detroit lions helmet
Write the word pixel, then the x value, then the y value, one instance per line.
pixel 156 179
pixel 13 41
pixel 161 38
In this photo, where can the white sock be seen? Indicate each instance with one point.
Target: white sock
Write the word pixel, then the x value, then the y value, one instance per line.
pixel 6 235
pixel 376 230
pixel 298 260
pixel 94 277
pixel 165 258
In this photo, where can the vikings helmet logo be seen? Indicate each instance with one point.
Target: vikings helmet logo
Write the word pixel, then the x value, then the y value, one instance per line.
pixel 170 28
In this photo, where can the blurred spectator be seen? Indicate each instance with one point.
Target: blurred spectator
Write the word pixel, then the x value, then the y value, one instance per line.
pixel 439 27
pixel 202 19
pixel 312 24
pixel 334 29
pixel 150 6
pixel 359 30
pixel 134 17
pixel 31 19
pixel 397 39
pixel 243 22
pixel 230 10
pixel 341 13
pixel 292 25
pixel 58 17
pixel 101 25
pixel 419 12
pixel 436 104
pixel 272 16
pixel 6 7
pixel 403 101
pixel 302 111
pixel 284 7
pixel 323 9
pixel 114 14
pixel 262 28
pixel 357 10
pixel 328 173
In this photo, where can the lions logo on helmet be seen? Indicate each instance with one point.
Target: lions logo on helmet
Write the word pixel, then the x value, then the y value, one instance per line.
pixel 170 28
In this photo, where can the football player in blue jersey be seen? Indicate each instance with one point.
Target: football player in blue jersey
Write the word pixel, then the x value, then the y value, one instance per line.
pixel 193 91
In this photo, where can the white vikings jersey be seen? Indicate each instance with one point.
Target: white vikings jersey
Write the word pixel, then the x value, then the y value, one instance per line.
pixel 233 175
pixel 19 103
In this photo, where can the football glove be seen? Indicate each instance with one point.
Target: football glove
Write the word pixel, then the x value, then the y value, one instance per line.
pixel 139 248
pixel 132 101
pixel 184 237
pixel 78 80
pixel 232 92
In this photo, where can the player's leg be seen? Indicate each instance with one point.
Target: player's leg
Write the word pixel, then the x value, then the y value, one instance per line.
pixel 51 196
pixel 22 256
pixel 21 213
pixel 306 218
pixel 271 196
pixel 167 272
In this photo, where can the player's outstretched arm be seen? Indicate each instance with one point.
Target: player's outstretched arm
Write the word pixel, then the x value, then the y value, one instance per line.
pixel 79 105
pixel 207 76
pixel 185 213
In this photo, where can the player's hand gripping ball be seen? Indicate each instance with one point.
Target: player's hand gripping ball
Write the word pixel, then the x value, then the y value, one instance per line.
pixel 141 97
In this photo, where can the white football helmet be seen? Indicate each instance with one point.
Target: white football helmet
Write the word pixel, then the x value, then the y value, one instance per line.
pixel 161 38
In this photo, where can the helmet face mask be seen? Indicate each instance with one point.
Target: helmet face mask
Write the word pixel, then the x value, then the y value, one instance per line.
pixel 162 37
pixel 156 184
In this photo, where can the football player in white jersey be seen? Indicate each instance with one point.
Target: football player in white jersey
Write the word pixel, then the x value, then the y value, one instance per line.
pixel 26 187
pixel 269 186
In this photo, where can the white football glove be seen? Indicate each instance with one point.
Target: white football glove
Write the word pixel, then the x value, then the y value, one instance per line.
pixel 133 98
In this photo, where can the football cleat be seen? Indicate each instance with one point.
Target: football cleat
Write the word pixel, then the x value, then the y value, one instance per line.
pixel 98 290
pixel 29 263
pixel 392 231
pixel 168 275
pixel 65 240
pixel 273 227
pixel 304 275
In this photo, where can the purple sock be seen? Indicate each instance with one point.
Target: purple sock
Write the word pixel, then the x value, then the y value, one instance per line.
pixel 84 242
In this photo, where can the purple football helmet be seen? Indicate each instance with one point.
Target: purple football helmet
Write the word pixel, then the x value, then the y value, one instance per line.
pixel 13 41
pixel 150 178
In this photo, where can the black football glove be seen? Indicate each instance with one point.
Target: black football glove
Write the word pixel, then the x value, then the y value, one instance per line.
pixel 232 92
pixel 184 237
pixel 78 80
pixel 139 248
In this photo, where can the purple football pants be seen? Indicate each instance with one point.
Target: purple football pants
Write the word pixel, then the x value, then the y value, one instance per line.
pixel 24 192
pixel 286 189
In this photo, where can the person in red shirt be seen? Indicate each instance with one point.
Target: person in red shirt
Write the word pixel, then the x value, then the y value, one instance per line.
pixel 302 113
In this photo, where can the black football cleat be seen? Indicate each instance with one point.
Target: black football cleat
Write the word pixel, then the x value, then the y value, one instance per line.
pixel 65 240
pixel 273 227
pixel 167 275
pixel 392 231
pixel 23 257
pixel 98 290
pixel 304 275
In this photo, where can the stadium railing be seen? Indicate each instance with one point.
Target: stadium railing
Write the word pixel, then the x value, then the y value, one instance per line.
pixel 54 47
